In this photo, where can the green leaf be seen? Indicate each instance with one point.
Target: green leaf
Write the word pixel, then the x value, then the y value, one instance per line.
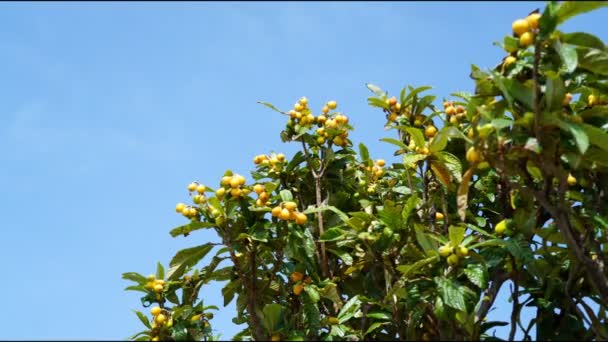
pixel 579 132
pixel 143 318
pixel 569 9
pixel 273 314
pixel 554 93
pixel 394 142
pixel 597 136
pixel 133 276
pixel 409 269
pixel 410 160
pixel 416 91
pixel 271 107
pixel 375 89
pixel 477 274
pixel 286 195
pixel 330 292
pixel 450 294
pixel 376 102
pixel 391 216
pixel 186 229
pixel 229 290
pixel 452 163
pixel 139 288
pixel 364 152
pixel 332 234
pixel 187 258
pixel 568 55
pixel 512 89
pixel 427 244
pixel 416 134
pixel 456 234
pixel 583 39
pixel 345 256
pixel 312 293
pixel 593 60
pixel 160 271
pixel 341 215
pixel 410 205
pixel 374 326
pixel 380 315
pixel 349 309
pixel 440 140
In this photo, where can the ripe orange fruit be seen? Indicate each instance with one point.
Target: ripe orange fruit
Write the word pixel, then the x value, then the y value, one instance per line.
pixel 473 155
pixel 235 192
pixel 438 216
pixel 380 162
pixel 297 289
pixel 192 186
pixel 290 205
pixel 258 188
pixel 180 207
pixel 332 104
pixel 276 211
pixel 526 39
pixel 450 110
pixel 296 276
pixel 298 107
pixel 301 218
pixel 303 101
pixel 281 157
pixel 264 196
pixel 155 311
pixel 285 214
pixel 430 131
pixel 567 99
pixel 459 109
pixel 392 101
pixel 533 19
pixel 520 26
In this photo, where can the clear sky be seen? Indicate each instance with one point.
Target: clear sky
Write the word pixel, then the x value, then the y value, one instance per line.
pixel 108 111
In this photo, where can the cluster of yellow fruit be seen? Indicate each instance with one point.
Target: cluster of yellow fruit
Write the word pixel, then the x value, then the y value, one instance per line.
pixel 235 184
pixel 301 114
pixel 452 254
pixel 274 161
pixel 332 122
pixel 186 210
pixel 456 114
pixel 288 211
pixel 200 189
pixel 395 107
pixel 526 28
pixel 377 171
pixel 153 284
pixel 263 196
pixel 299 280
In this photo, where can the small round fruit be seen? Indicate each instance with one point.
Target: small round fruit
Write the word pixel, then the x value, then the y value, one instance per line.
pixel 571 180
pixel 459 110
pixel 149 285
pixel 301 218
pixel 192 211
pixel 290 205
pixel 320 140
pixel 392 101
pixel 285 214
pixel 430 131
pixel 192 186
pixel 195 318
pixel 158 288
pixel 151 277
pixel 264 196
pixel 281 157
pixel 423 150
pixel 380 162
pixel 160 319
pixel 473 155
pixel 445 251
pixel 303 101
pixel 220 192
pixel 453 260
pixel 155 338
pixel 180 207
pixel 591 100
pixel 276 211
pixel 155 311
pixel 235 192
pixel 509 60
pixel 438 216
pixel 226 180
pixel 471 133
pixel 297 289
pixel 298 107
pixel 201 189
pixel 450 110
pixel 501 227
pixel 462 251
pixel 296 276
pixel 520 26
pixel 526 39
pixel 392 117
pixel 533 19
pixel 454 120
pixel 332 105
pixel 258 188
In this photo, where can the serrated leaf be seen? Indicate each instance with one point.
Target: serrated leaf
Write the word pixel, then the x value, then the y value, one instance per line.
pixel 450 294
pixel 411 159
pixel 477 274
pixel 187 258
pixel 452 164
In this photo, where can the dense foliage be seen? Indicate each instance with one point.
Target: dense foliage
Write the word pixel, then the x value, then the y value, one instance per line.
pixel 505 185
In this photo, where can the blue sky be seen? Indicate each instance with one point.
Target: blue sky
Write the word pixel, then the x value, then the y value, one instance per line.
pixel 110 109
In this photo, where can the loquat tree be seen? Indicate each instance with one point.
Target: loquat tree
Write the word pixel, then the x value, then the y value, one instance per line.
pixel 507 184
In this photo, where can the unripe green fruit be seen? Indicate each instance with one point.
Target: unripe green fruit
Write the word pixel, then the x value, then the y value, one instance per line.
pixel 445 251
pixel 462 251
pixel 453 260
